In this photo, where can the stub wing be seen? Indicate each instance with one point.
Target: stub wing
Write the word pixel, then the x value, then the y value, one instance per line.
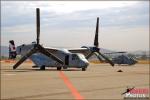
pixel 84 51
pixel 51 50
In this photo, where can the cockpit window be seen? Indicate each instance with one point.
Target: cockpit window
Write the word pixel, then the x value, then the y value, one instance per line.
pixel 78 56
pixel 74 57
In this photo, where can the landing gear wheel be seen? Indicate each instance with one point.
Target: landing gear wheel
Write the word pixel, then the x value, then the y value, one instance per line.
pixel 83 69
pixel 42 67
pixel 58 68
pixel 64 67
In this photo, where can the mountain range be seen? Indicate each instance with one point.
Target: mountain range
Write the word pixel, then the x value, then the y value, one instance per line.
pixel 4 51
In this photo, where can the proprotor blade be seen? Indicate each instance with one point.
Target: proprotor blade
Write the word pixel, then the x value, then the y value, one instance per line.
pixel 38 24
pixel 115 52
pixel 109 61
pixel 24 58
pixel 98 56
pixel 50 55
pixel 89 55
pixel 96 33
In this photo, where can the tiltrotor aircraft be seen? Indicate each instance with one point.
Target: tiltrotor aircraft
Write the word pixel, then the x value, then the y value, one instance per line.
pixel 60 58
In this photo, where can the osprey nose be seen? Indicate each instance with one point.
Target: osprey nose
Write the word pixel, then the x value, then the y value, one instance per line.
pixel 86 63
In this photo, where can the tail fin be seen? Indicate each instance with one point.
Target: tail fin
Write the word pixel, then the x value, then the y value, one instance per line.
pixel 12 50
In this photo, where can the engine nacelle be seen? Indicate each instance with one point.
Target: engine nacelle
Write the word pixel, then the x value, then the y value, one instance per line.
pixel 92 49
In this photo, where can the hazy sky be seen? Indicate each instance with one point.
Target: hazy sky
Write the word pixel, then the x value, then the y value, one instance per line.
pixel 124 25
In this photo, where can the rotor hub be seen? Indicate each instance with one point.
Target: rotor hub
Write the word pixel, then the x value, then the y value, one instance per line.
pixel 95 49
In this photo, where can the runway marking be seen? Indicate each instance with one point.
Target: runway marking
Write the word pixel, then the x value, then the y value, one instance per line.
pixel 9 74
pixel 73 90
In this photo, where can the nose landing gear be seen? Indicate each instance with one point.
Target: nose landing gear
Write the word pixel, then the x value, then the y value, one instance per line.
pixel 58 68
pixel 84 69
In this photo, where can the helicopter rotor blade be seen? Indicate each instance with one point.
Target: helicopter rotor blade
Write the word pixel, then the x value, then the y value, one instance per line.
pixel 39 49
pixel 109 61
pixel 116 52
pixel 96 44
pixel 38 24
pixel 89 55
pixel 24 58
pixel 98 56
pixel 50 55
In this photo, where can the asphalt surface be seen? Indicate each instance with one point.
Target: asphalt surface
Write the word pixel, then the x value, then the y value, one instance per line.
pixel 99 81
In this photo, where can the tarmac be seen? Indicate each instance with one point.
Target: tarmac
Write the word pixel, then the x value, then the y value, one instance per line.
pixel 99 81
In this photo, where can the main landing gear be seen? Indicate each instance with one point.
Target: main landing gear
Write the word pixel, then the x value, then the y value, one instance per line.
pixel 42 67
pixel 83 69
pixel 58 68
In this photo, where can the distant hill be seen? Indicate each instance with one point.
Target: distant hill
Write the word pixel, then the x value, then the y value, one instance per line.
pixel 140 52
pixel 4 51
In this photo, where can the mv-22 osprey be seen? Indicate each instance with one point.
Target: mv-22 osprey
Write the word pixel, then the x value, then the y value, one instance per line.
pixel 61 58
